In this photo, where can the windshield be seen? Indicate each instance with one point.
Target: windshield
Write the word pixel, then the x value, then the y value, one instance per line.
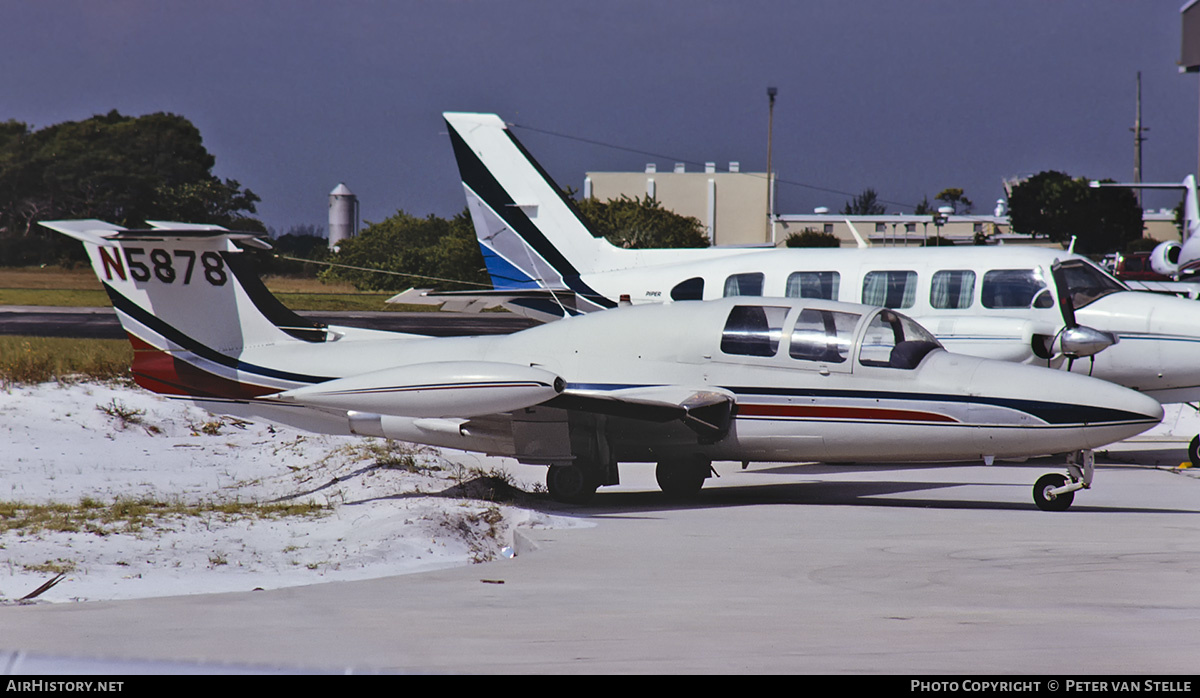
pixel 1086 282
pixel 893 340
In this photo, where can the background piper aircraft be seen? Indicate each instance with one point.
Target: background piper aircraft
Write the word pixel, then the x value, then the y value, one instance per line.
pixel 678 385
pixel 1024 304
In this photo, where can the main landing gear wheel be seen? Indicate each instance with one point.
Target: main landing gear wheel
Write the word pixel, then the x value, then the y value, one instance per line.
pixel 682 478
pixel 1050 502
pixel 1194 451
pixel 570 484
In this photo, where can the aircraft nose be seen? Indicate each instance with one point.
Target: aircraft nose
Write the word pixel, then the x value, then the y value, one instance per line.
pixel 1071 411
pixel 1108 412
pixel 1142 404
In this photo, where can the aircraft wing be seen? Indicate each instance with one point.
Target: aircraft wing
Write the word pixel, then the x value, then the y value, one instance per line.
pixel 706 410
pixel 466 389
pixel 473 301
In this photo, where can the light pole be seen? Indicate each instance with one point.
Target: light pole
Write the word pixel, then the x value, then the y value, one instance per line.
pixel 771 92
pixel 939 219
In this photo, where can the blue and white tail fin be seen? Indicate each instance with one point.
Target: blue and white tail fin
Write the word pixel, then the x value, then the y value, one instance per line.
pixel 530 233
pixel 192 307
pixel 532 236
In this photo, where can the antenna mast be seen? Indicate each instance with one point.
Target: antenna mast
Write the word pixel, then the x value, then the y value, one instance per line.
pixel 1138 138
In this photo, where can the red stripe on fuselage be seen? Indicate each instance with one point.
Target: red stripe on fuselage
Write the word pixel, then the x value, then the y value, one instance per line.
pixel 160 372
pixel 877 414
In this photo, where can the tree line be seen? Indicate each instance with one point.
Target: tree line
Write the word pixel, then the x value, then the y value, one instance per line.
pixel 127 169
pixel 122 169
pixel 1050 205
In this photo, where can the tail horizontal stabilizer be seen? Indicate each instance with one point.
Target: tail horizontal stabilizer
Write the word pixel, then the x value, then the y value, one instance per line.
pixel 192 306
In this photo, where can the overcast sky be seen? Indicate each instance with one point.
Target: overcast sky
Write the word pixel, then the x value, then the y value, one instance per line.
pixel 904 96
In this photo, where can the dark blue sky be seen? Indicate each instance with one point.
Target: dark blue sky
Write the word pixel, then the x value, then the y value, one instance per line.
pixel 904 96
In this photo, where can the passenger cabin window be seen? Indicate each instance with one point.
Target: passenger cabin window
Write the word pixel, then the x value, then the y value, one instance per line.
pixel 951 290
pixel 1015 288
pixel 753 330
pixel 823 335
pixel 690 290
pixel 895 341
pixel 891 289
pixel 744 285
pixel 813 284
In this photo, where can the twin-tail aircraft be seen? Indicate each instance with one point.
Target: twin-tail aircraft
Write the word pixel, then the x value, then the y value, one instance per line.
pixel 679 385
pixel 1021 304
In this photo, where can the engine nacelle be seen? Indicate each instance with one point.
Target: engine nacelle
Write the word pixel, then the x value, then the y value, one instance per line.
pixel 1165 258
pixel 439 389
pixel 1080 341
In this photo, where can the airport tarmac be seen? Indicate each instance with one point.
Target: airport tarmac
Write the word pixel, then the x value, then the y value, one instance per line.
pixel 798 569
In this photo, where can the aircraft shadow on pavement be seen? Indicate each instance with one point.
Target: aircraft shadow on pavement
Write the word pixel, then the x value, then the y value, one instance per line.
pixel 609 503
pixel 816 493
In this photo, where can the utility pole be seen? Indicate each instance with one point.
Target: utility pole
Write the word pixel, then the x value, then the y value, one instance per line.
pixel 1137 141
pixel 771 92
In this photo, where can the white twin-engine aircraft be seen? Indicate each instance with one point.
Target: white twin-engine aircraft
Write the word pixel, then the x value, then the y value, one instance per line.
pixel 680 385
pixel 1014 303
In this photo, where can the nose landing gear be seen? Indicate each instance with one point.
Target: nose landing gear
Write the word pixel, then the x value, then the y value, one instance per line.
pixel 1056 492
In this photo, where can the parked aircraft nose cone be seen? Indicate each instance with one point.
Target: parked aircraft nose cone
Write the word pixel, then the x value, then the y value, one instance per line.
pixel 1057 410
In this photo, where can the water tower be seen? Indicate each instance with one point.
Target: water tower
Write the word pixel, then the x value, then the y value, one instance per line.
pixel 343 215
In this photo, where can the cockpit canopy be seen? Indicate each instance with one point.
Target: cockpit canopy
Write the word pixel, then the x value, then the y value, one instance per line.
pixel 827 335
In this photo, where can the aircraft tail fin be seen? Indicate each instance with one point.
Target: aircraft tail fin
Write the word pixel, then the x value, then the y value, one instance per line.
pixel 1174 258
pixel 530 233
pixel 191 305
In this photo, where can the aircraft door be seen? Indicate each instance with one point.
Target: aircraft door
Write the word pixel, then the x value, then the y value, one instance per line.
pixel 824 339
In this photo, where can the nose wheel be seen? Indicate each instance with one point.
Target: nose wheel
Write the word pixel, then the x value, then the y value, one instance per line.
pixel 1056 492
pixel 1194 451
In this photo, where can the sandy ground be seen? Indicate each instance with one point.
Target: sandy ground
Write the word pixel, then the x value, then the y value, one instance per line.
pixel 145 483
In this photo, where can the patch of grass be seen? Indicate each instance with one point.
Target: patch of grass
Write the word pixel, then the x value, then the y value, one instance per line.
pixel 125 515
pixel 304 284
pixel 41 359
pixel 59 566
pixel 80 278
pixel 124 414
pixel 384 453
pixel 480 530
pixel 54 297
pixel 55 286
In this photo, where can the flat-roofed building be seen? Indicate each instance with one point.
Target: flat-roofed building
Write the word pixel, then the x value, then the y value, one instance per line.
pixel 732 205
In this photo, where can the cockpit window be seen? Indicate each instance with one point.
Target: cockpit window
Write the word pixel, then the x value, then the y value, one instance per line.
pixel 891 289
pixel 1012 288
pixel 753 330
pixel 690 290
pixel 813 284
pixel 893 340
pixel 750 284
pixel 1086 282
pixel 823 335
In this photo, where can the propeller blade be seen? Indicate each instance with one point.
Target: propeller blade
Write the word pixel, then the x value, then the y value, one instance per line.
pixel 1065 306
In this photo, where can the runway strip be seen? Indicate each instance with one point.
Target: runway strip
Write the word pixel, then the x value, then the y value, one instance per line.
pixel 101 323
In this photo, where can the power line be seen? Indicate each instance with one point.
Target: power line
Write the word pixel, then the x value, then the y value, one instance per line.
pixel 384 271
pixel 672 158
